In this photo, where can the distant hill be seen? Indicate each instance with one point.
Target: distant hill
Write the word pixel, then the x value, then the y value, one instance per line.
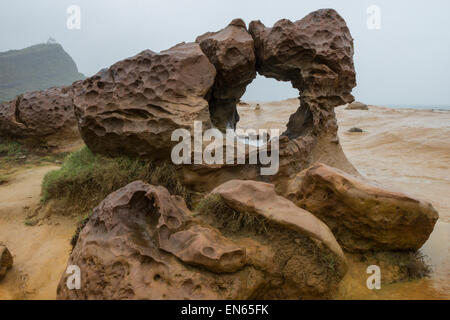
pixel 35 68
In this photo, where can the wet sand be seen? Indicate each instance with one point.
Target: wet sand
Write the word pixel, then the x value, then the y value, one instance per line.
pixel 406 149
pixel 41 251
pixel 403 149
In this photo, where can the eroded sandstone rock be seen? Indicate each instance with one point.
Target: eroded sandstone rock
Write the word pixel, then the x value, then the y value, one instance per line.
pixel 231 51
pixel 357 106
pixel 139 243
pixel 6 261
pixel 134 106
pixel 316 55
pixel 41 117
pixel 261 199
pixel 363 216
pixel 143 243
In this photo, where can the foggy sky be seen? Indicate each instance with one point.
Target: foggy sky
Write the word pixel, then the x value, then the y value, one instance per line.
pixel 405 63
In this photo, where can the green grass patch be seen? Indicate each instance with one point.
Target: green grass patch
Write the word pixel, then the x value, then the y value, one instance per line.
pixel 3 179
pixel 13 154
pixel 10 150
pixel 85 178
pixel 31 223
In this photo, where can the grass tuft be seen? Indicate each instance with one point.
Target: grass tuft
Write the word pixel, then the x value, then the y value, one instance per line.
pixel 85 178
pixel 13 154
pixel 10 151
pixel 3 179
pixel 230 219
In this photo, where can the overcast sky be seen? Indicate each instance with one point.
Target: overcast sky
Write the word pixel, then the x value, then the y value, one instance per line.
pixel 404 63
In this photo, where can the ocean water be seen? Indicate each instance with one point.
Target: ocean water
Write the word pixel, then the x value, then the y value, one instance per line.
pixel 444 108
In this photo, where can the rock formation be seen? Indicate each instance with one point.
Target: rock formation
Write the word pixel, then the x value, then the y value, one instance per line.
pixel 355 130
pixel 316 55
pixel 143 243
pixel 231 51
pixel 244 240
pixel 41 117
pixel 357 106
pixel 6 261
pixel 134 106
pixel 363 216
pixel 260 198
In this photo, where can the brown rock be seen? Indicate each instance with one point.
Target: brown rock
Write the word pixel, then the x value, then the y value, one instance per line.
pixel 6 261
pixel 363 216
pixel 231 51
pixel 357 106
pixel 143 243
pixel 138 244
pixel 41 117
pixel 297 252
pixel 316 55
pixel 134 106
pixel 260 198
pixel 355 130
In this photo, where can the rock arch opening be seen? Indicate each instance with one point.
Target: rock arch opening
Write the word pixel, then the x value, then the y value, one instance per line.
pixel 267 104
pixel 203 81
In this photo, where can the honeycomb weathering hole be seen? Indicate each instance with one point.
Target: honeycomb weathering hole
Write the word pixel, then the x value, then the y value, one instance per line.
pixel 273 113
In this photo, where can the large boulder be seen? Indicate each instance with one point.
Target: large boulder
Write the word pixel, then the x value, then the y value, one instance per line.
pixel 41 117
pixel 259 198
pixel 291 242
pixel 134 106
pixel 362 215
pixel 356 105
pixel 143 243
pixel 6 261
pixel 316 55
pixel 140 243
pixel 231 51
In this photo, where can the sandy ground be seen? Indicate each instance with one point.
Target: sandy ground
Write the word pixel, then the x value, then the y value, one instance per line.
pixel 403 149
pixel 408 150
pixel 40 252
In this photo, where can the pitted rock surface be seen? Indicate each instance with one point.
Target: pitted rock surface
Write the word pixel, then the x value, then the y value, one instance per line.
pixel 316 55
pixel 40 117
pixel 134 106
pixel 231 51
pixel 143 243
pixel 139 243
